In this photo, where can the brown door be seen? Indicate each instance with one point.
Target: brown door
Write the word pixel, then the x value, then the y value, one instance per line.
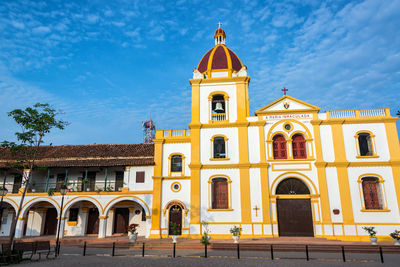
pixel 50 224
pixel 93 222
pixel 121 220
pixel 175 217
pixel 295 217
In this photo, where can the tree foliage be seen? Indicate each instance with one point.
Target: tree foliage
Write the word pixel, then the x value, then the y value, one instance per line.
pixel 35 123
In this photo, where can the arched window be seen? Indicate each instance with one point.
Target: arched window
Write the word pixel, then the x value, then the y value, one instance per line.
pixel 279 147
pixel 219 147
pixel 365 144
pixel 176 163
pixel 372 193
pixel 299 147
pixel 292 186
pixel 219 193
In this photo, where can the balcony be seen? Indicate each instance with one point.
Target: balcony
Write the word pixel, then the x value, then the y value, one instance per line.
pixel 358 113
pixel 218 117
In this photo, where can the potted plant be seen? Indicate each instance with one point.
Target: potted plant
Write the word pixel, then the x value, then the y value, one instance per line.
pixel 51 191
pixel 132 232
pixel 33 189
pixel 84 182
pixel 205 238
pixel 206 230
pixel 396 237
pixel 175 232
pixel 372 234
pixel 235 231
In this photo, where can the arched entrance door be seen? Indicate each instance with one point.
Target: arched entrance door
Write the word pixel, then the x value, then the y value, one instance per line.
pixel 175 218
pixel 294 213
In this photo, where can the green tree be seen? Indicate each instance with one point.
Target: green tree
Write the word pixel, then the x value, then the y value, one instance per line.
pixel 35 122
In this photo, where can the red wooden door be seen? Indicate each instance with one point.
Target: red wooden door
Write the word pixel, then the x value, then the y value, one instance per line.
pixel 121 220
pixel 279 147
pixel 371 198
pixel 50 225
pixel 175 216
pixel 299 147
pixel 93 222
pixel 294 217
pixel 220 193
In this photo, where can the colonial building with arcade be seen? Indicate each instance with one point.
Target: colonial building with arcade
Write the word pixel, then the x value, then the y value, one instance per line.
pixel 289 170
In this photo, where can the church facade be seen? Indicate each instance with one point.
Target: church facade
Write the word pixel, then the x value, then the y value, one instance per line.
pixel 289 170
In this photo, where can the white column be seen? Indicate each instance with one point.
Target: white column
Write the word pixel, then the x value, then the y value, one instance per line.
pixel 127 177
pixel 19 228
pixel 83 217
pixel 25 176
pixel 110 222
pixel 102 226
pixel 62 227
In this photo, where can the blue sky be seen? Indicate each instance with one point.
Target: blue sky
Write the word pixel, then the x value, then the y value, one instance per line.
pixel 109 64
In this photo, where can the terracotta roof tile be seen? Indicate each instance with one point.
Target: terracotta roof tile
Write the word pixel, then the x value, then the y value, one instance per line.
pixel 89 155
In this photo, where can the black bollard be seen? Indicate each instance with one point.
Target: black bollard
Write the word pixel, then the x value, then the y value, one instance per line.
pixel 113 250
pixel 307 253
pixel 343 255
pixel 381 253
pixel 84 249
pixel 205 250
pixel 238 251
pixel 143 250
pixel 174 250
pixel 272 252
pixel 58 248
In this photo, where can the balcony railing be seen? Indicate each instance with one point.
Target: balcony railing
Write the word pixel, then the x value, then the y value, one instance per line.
pixel 99 186
pixel 176 133
pixel 359 113
pixel 218 117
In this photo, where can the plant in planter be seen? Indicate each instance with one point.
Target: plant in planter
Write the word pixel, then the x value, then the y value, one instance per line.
pixel 396 237
pixel 235 231
pixel 205 238
pixel 176 231
pixel 372 234
pixel 132 232
pixel 51 191
pixel 84 182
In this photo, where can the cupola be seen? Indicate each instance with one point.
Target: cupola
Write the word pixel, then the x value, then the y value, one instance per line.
pixel 219 61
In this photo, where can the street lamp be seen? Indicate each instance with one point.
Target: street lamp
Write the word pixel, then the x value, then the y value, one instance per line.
pixel 63 192
pixel 3 192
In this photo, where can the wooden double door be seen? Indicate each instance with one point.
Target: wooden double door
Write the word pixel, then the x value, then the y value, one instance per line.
pixel 295 217
pixel 50 224
pixel 121 220
pixel 92 222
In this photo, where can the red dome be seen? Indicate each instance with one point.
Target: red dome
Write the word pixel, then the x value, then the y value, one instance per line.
pixel 221 58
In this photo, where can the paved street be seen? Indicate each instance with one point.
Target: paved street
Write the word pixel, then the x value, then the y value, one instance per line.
pixel 72 256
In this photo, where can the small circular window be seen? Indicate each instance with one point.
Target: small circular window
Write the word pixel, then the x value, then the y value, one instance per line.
pixel 288 127
pixel 137 212
pixel 176 187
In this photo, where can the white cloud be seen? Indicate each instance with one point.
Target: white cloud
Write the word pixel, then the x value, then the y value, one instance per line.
pixel 41 30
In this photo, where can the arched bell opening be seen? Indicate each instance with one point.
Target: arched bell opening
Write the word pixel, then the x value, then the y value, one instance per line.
pixel 294 210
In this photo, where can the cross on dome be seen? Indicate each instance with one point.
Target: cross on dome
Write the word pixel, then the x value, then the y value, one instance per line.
pixel 219 35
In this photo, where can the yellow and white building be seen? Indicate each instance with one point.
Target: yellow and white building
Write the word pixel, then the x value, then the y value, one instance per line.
pixel 289 170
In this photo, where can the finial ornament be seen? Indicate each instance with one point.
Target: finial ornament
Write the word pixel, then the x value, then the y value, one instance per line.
pixel 219 24
pixel 284 90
